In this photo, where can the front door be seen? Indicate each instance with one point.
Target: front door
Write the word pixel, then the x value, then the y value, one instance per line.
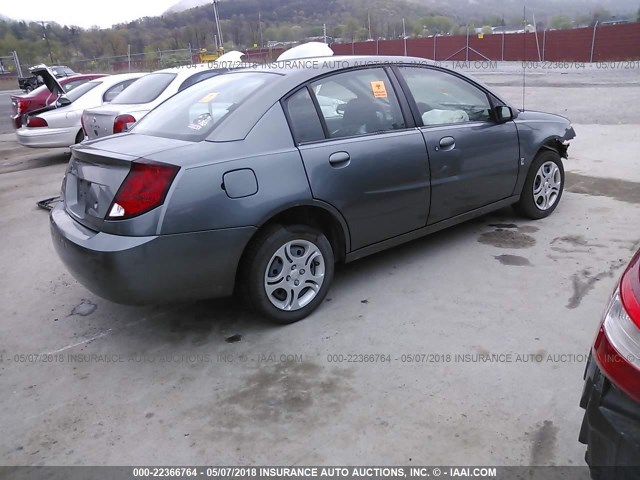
pixel 474 159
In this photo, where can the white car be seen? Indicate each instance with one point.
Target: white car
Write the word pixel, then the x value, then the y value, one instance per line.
pixel 59 125
pixel 149 92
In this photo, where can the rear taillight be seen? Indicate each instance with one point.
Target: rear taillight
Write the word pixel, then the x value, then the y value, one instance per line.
pixel 84 130
pixel 144 189
pixel 123 123
pixel 35 122
pixel 617 346
pixel 22 105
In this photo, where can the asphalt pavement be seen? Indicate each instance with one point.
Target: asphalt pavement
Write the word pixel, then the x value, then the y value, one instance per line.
pixel 391 369
pixel 6 110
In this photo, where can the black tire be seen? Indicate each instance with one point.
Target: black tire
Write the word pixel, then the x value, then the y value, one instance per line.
pixel 79 137
pixel 527 205
pixel 259 254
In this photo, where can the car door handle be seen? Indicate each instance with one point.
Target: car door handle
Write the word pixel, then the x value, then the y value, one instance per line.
pixel 339 159
pixel 447 142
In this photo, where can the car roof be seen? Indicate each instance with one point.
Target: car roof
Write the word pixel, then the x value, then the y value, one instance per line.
pixel 288 75
pixel 113 79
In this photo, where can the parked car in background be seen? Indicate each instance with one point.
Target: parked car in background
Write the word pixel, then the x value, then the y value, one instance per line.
pixel 611 394
pixel 42 96
pixel 29 84
pixel 150 92
pixel 59 124
pixel 242 182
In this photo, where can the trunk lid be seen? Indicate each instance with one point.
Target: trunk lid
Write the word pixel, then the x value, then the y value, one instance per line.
pixel 91 182
pixel 97 170
pixel 48 78
pixel 99 124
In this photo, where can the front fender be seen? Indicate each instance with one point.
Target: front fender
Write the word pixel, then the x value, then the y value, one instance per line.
pixel 538 131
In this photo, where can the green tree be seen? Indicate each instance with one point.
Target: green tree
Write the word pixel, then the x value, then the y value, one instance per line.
pixel 561 22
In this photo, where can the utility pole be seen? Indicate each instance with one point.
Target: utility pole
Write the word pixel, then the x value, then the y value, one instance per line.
pixel 260 28
pixel 44 37
pixel 404 37
pixel 369 21
pixel 218 29
pixel 324 32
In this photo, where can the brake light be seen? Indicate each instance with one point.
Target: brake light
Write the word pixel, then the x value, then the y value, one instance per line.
pixel 123 123
pixel 617 346
pixel 144 189
pixel 84 130
pixel 36 122
pixel 23 104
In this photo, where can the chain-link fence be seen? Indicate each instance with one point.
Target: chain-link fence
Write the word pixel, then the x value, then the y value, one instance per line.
pixel 10 70
pixel 137 62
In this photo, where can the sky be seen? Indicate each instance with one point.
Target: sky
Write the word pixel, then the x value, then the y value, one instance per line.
pixel 83 13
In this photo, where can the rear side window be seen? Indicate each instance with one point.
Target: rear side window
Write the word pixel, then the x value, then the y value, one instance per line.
pixel 77 92
pixel 116 90
pixel 198 77
pixel 303 117
pixel 75 83
pixel 146 89
pixel 359 102
pixel 194 113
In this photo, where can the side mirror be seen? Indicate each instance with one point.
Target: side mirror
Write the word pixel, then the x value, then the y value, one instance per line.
pixel 63 102
pixel 504 114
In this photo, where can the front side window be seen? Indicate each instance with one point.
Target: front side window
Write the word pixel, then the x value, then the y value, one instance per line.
pixel 359 102
pixel 194 113
pixel 145 90
pixel 443 98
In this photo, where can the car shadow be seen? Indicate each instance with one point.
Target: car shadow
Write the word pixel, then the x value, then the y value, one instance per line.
pixel 211 324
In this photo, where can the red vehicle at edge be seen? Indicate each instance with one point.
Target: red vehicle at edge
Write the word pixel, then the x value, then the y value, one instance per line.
pixel 42 96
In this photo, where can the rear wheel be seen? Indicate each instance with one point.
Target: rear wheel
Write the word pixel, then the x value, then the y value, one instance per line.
pixel 79 137
pixel 287 271
pixel 543 187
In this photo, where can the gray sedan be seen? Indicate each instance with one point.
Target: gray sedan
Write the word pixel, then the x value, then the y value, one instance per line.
pixel 260 180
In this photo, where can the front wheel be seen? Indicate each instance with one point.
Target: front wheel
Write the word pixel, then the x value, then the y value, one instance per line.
pixel 287 272
pixel 543 187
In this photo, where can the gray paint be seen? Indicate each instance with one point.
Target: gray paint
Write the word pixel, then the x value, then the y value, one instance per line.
pixel 381 189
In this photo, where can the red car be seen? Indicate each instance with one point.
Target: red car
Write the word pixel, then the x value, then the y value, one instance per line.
pixel 611 395
pixel 42 96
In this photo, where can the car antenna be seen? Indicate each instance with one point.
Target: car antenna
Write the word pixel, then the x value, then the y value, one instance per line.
pixel 524 57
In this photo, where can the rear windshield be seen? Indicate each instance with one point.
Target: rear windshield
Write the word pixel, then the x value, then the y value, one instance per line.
pixel 38 91
pixel 146 89
pixel 77 92
pixel 193 114
pixel 63 71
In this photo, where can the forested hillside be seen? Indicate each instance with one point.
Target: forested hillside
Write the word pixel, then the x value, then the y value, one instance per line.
pixel 246 23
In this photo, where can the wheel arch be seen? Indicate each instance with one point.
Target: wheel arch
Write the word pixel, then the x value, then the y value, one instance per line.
pixel 314 214
pixel 554 144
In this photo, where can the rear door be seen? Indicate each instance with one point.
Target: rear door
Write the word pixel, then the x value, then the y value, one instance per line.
pixel 360 154
pixel 474 159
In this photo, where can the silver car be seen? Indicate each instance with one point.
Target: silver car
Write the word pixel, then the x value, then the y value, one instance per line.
pixel 245 183
pixel 121 114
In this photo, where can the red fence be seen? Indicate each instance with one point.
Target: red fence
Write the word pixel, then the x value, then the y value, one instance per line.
pixel 603 43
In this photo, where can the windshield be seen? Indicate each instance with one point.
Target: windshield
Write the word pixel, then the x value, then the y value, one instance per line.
pixel 77 92
pixel 193 114
pixel 62 71
pixel 146 89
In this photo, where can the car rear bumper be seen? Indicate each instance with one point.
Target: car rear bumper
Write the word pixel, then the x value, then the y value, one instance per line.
pixel 149 270
pixel 610 428
pixel 45 137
